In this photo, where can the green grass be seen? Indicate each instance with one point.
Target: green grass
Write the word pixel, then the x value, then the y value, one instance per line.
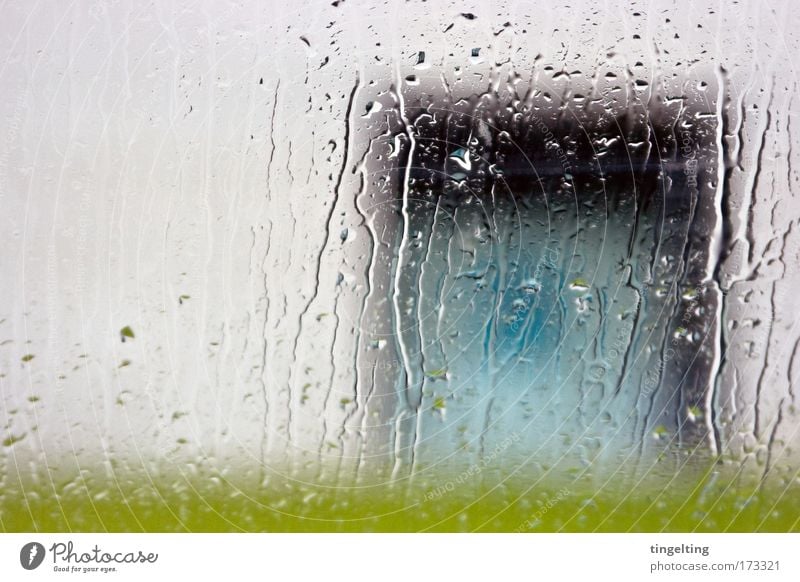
pixel 710 500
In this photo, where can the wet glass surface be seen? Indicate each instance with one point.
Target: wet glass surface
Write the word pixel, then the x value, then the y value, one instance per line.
pixel 503 267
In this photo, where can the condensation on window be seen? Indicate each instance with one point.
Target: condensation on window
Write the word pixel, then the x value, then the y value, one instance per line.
pixel 392 244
